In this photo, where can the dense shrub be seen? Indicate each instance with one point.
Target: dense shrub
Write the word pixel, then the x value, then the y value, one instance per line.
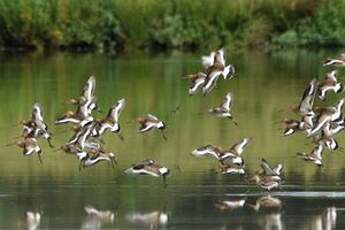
pixel 325 28
pixel 183 24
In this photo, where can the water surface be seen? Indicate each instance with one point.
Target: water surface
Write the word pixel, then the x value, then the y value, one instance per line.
pixel 265 84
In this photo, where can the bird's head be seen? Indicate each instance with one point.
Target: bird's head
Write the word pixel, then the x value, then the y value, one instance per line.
pixel 161 125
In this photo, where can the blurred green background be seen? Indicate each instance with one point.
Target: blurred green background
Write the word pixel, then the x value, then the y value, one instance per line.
pixel 113 25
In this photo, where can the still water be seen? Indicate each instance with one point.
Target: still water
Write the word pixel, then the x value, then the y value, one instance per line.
pixel 265 84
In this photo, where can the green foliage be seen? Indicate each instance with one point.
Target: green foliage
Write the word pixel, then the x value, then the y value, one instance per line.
pixel 325 28
pixel 33 23
pixel 113 24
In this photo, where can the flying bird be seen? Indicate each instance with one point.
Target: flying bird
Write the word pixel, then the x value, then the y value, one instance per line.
pixel 148 167
pixel 111 121
pixel 150 122
pixel 315 156
pixel 223 110
pixel 330 83
pixel 338 61
pixel 30 146
pixel 197 82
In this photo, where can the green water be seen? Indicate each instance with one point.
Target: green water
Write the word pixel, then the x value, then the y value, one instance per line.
pixel 265 84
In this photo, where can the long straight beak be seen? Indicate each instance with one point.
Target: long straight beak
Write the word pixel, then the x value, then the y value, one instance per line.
pixel 17 137
pixel 10 144
pixel 163 135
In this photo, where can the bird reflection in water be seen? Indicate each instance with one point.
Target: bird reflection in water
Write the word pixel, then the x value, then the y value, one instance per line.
pixel 266 202
pixel 272 221
pixel 271 206
pixel 153 219
pixel 95 218
pixel 322 221
pixel 33 220
pixel 230 205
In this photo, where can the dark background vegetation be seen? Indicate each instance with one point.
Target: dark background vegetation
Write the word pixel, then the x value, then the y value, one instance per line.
pixel 113 25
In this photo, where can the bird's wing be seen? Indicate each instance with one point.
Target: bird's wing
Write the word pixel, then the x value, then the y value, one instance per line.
pixel 198 83
pixel 267 168
pixel 37 112
pixel 317 151
pixel 278 169
pixel 331 76
pixel 341 57
pixel 308 97
pixel 227 101
pixel 207 61
pixel 219 57
pixel 239 147
pixel 211 81
pixel 152 117
pixel 89 88
pixel 115 110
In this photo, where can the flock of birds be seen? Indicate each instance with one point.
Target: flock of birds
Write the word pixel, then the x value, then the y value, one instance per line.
pixel 322 124
pixel 86 143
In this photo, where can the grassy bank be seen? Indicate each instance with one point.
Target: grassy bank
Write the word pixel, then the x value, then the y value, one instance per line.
pixel 165 24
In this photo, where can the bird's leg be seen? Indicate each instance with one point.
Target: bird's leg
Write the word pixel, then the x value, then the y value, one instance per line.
pixel 121 136
pixel 113 163
pixel 50 144
pixel 39 157
pixel 341 149
pixel 165 182
pixel 56 150
pixel 231 118
pixel 80 165
pixel 10 144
